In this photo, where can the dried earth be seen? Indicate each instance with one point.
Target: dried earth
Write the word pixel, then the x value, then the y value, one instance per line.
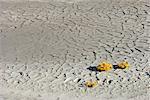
pixel 47 48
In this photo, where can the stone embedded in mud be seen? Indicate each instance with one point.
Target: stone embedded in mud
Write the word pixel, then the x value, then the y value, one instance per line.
pixel 104 66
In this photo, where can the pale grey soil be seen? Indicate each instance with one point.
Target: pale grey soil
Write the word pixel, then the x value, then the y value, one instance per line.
pixel 46 48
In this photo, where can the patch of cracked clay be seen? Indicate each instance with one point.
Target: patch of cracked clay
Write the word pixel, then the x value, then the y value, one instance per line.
pixel 48 47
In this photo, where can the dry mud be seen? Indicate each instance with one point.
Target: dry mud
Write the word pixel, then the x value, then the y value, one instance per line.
pixel 46 49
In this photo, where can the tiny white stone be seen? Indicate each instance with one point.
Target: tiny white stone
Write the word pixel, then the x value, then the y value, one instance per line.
pixel 76 80
pixel 68 79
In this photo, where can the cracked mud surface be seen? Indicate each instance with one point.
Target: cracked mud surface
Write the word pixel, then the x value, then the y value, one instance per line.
pixel 46 48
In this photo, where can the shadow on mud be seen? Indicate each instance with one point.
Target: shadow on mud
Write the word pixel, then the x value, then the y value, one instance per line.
pixel 94 68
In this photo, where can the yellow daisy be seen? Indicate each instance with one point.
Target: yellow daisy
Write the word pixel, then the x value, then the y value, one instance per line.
pixel 123 65
pixel 104 66
pixel 91 83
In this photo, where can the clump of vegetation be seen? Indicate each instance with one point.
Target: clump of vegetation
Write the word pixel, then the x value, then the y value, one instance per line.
pixel 105 66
